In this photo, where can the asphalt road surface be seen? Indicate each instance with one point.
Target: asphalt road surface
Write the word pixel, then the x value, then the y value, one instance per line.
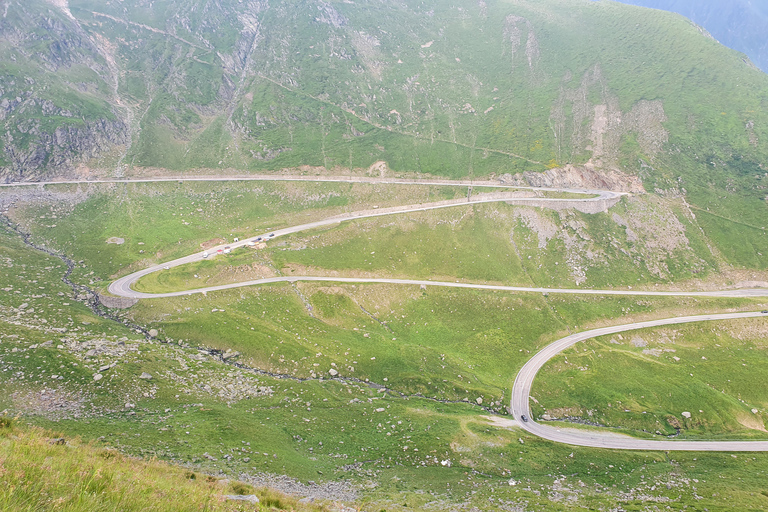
pixel 376 180
pixel 122 287
pixel 521 392
pixel 522 386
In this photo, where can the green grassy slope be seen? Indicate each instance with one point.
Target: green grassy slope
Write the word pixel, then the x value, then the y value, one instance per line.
pixel 44 471
pixel 739 25
pixel 444 89
pixel 645 380
pixel 447 90
pixel 392 447
pixel 345 85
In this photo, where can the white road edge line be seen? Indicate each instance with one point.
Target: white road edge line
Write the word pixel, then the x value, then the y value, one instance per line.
pixel 522 386
pixel 122 286
pixel 521 392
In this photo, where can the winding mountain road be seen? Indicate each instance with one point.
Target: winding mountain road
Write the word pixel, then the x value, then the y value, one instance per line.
pixel 372 180
pixel 598 200
pixel 521 392
pixel 521 389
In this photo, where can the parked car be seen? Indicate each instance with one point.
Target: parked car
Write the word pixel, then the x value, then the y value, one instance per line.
pixel 205 254
pixel 227 250
pixel 271 235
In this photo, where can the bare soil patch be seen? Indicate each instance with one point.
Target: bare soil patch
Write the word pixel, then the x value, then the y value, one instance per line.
pixel 213 242
pixel 498 421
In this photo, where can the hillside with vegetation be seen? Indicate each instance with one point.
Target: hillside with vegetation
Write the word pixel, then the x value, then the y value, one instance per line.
pixel 373 395
pixel 452 90
pixel 738 24
pixel 376 395
pixel 446 90
pixel 43 471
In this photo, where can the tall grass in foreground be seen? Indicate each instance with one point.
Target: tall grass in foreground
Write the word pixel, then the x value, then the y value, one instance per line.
pixel 41 472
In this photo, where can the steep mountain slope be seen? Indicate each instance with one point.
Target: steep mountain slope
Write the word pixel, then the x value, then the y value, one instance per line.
pixel 738 24
pixel 55 100
pixel 443 89
pixel 452 90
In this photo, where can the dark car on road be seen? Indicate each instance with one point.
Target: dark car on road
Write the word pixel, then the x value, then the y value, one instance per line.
pixel 524 418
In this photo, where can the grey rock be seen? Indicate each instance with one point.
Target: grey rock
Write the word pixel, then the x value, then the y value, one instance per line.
pixel 229 354
pixel 117 302
pixel 145 376
pixel 250 498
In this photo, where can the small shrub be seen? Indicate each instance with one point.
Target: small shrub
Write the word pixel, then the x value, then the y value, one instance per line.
pixel 273 502
pixel 190 475
pixel 241 489
pixel 6 422
pixel 108 454
pixel 271 499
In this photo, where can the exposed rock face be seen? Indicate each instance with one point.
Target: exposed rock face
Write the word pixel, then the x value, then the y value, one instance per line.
pixel 250 498
pixel 58 114
pixel 571 176
pixel 514 28
pixel 54 403
pixel 60 150
pixel 327 14
pixel 582 125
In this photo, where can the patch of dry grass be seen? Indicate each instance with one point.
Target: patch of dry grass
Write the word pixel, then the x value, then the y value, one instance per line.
pixel 41 471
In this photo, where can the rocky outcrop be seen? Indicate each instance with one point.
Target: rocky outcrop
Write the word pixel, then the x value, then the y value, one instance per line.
pixel 589 119
pixel 59 151
pixel 116 302
pixel 579 177
pixel 56 113
pixel 329 15
pixel 512 37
